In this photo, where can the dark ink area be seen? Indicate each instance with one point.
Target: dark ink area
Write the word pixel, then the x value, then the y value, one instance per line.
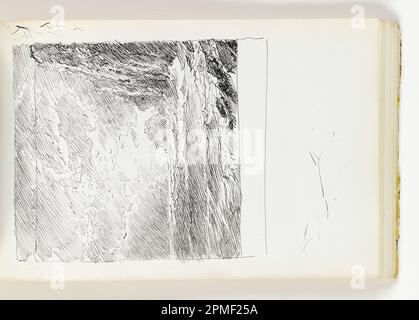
pixel 127 151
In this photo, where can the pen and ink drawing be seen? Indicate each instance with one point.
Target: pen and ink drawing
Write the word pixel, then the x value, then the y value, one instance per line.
pixel 127 151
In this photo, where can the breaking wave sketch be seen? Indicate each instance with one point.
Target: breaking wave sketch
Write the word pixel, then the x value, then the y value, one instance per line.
pixel 127 151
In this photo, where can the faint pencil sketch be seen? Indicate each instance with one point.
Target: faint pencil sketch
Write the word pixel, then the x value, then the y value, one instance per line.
pixel 127 151
pixel 316 160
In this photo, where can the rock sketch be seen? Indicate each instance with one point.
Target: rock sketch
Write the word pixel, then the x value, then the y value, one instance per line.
pixel 127 151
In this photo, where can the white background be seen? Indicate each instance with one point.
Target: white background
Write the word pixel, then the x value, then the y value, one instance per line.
pixel 404 11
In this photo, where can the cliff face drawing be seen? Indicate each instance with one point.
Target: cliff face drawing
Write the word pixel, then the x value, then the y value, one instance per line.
pixel 127 151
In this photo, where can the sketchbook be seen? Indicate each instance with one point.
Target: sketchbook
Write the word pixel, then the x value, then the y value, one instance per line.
pixel 199 149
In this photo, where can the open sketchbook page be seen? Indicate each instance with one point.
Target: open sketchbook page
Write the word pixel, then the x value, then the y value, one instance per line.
pixel 138 149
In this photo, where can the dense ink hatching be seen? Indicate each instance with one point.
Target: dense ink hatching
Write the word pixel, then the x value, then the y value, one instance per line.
pixel 127 151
